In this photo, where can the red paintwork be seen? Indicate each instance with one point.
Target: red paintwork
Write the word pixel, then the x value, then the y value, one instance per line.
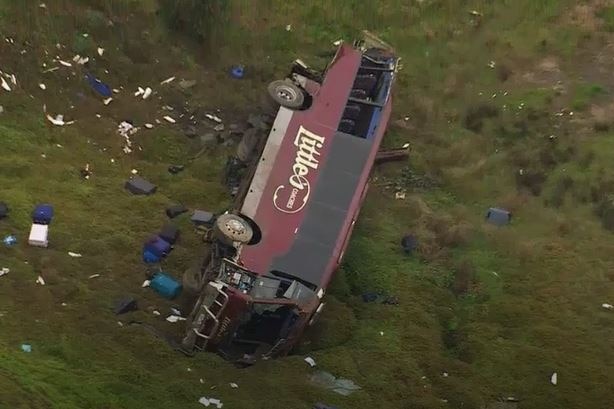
pixel 322 118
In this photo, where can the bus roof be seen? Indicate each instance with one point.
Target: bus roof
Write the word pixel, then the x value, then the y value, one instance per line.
pixel 307 188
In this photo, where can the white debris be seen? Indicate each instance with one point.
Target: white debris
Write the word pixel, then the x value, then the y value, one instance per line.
pixel 107 101
pixel 146 283
pixel 381 333
pixel 5 85
pixel 65 64
pixel 211 401
pixel 201 380
pixel 42 5
pixel 57 121
pixel 233 385
pixel 174 318
pixel 167 81
pixel 13 79
pixel 445 374
pixel 134 171
pixel 4 271
pixel 156 313
pixel 80 60
pixel 310 361
pixel 100 51
pixel 40 280
pixel 607 306
pixel 214 118
pixel 149 126
pixel 76 255
pixel 42 86
pixel 51 70
pixel 139 92
pixel 400 195
pixel 337 43
pixel 94 276
pixel 126 130
pixel 1 109
pixel 492 64
pixel 147 93
pixel 169 119
pixel 554 378
pixel 405 145
pixel 63 304
pixel 289 27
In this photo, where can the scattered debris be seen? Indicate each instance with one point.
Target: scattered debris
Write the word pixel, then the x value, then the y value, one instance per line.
pixel 169 119
pixel 176 210
pixel 147 93
pixel 400 195
pixel 76 255
pixel 310 361
pixel 492 64
pixel 125 305
pixel 86 172
pixel 289 27
pixel 165 285
pixel 42 86
pixel 146 283
pixel 4 271
pixel 167 81
pixel 40 280
pixel 201 217
pixel 214 118
pixel 174 318
pixel 175 311
pixel 499 217
pixel 337 43
pixel 445 374
pixel 156 313
pixel 134 171
pixel 26 348
pixel 80 60
pixel 94 276
pixel 148 126
pixel 5 85
pixel 139 186
pixel 211 401
pixel 125 129
pixel 100 51
pixel 65 64
pixel 107 101
pixel 38 235
pixel 233 385
pixel 341 386
pixel 608 306
pixel 174 169
pixel 237 72
pixel 554 378
pixel 100 87
pixel 9 241
pixel 57 121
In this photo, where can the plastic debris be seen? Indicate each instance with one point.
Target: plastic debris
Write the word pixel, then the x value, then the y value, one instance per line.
pixel 337 43
pixel 146 283
pixel 26 348
pixel 147 93
pixel 57 121
pixel 167 81
pixel 148 126
pixel 492 64
pixel 210 402
pixel 94 276
pixel 237 72
pixel 233 385
pixel 80 60
pixel 4 271
pixel 400 195
pixel 156 313
pixel 99 86
pixel 289 27
pixel 65 64
pixel 134 171
pixel 169 119
pixel 9 241
pixel 175 311
pixel 76 255
pixel 554 378
pixel 107 101
pixel 499 217
pixel 5 85
pixel 310 361
pixel 125 129
pixel 100 51
pixel 139 92
pixel 42 86
pixel 40 280
pixel 174 318
pixel 214 118
pixel 608 306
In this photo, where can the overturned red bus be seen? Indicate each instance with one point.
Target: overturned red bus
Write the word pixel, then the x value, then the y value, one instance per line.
pixel 274 254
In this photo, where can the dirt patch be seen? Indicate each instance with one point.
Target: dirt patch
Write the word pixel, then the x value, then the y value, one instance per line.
pixel 586 17
pixel 547 72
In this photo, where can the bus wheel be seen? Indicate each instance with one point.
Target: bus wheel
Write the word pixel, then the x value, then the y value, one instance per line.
pixel 286 94
pixel 230 228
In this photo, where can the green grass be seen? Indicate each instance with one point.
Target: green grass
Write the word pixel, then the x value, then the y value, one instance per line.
pixel 498 309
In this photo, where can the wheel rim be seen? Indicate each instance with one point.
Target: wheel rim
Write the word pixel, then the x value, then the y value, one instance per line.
pixel 286 93
pixel 235 226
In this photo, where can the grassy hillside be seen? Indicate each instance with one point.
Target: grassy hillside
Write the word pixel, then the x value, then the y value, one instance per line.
pixel 505 103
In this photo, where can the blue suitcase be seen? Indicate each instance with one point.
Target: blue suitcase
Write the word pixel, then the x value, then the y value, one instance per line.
pixel 42 214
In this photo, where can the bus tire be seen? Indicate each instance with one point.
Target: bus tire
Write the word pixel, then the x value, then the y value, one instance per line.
pixel 287 94
pixel 230 228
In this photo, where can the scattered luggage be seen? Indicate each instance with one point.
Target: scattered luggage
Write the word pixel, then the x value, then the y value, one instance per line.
pixel 125 305
pixel 139 186
pixel 42 214
pixel 176 210
pixel 165 285
pixel 499 217
pixel 169 233
pixel 200 217
pixel 39 235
